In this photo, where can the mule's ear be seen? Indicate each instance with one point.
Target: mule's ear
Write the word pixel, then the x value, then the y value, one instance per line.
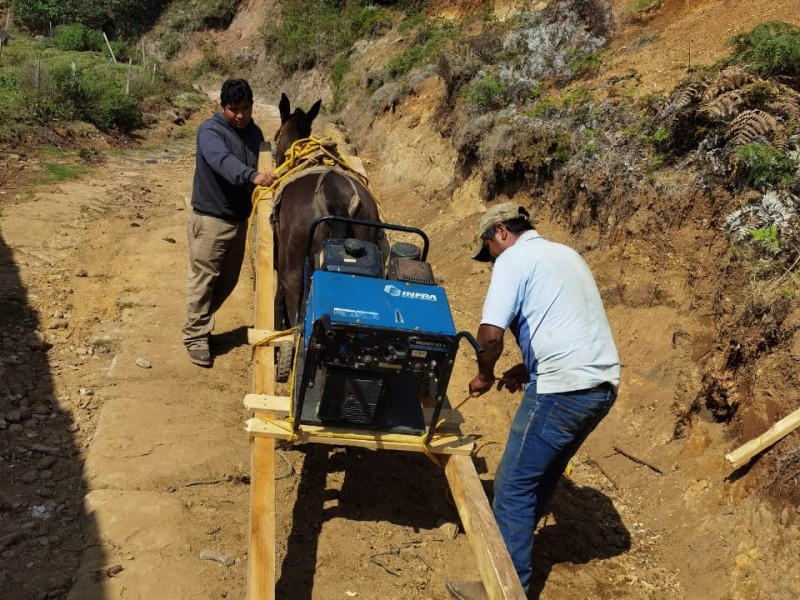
pixel 314 111
pixel 284 108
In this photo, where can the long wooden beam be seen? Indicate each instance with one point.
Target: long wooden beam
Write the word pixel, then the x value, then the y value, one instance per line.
pixel 494 563
pixel 450 419
pixel 372 440
pixel 742 455
pixel 261 554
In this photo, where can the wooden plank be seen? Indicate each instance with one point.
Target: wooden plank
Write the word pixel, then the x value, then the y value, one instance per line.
pixel 494 564
pixel 279 406
pixel 256 335
pixel 261 553
pixel 361 438
pixel 259 403
pixel 777 432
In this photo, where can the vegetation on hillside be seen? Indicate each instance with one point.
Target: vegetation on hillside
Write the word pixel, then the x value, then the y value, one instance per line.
pixel 520 118
pixel 71 78
pixel 118 18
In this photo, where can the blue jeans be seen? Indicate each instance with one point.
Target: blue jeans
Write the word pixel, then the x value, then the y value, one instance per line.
pixel 546 432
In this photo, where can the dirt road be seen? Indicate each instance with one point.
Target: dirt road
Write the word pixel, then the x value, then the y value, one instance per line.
pixel 122 462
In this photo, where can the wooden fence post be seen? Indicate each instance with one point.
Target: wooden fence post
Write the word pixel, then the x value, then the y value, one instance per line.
pixel 105 37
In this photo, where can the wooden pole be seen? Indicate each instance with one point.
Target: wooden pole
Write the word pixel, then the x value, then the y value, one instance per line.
pixel 128 78
pixel 777 432
pixel 105 37
pixel 494 563
pixel 144 56
pixel 261 556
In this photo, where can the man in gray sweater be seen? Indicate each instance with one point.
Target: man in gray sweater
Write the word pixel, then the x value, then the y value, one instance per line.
pixel 224 178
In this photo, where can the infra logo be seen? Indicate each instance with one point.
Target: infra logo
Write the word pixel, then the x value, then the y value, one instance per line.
pixel 396 292
pixel 392 290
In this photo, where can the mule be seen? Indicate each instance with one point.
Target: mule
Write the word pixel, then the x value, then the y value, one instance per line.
pixel 303 199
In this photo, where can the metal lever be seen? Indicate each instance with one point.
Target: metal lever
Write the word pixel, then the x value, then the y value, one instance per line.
pixel 471 339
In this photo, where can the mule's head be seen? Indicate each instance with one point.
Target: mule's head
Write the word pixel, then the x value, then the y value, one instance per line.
pixel 294 126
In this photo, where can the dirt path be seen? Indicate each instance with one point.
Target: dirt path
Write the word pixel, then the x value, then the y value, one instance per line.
pixel 114 463
pixel 102 260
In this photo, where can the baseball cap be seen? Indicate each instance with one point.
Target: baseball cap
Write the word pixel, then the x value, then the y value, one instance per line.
pixel 498 213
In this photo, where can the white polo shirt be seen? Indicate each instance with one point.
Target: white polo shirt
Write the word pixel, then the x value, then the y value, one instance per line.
pixel 545 294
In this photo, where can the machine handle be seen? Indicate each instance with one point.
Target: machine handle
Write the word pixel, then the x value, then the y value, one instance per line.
pixel 374 225
pixel 326 326
pixel 471 339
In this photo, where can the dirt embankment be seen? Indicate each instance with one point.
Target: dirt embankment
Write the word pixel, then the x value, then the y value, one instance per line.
pixel 122 462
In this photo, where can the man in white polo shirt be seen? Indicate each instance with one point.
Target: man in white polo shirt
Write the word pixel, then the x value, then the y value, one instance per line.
pixel 545 294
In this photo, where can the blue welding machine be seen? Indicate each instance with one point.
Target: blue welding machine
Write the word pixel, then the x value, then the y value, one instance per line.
pixel 376 346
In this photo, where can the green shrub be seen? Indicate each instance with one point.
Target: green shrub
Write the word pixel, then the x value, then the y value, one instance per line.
pixel 577 97
pixel 170 44
pixel 38 15
pixel 314 31
pixel 424 50
pixel 586 62
pixel 118 18
pixel 770 49
pixel 113 110
pixel 212 61
pixel 765 237
pixel 74 38
pixel 371 22
pixel 339 69
pixel 640 6
pixel 662 138
pixel 338 72
pixel 79 38
pixel 765 165
pixel 487 93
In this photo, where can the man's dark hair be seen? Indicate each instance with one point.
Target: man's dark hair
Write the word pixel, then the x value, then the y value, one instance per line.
pixel 516 226
pixel 235 91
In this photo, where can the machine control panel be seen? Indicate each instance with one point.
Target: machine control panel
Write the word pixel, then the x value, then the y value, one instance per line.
pixel 383 351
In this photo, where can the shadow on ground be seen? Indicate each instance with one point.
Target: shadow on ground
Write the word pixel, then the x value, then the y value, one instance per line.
pixel 582 525
pixel 43 530
pixel 222 343
pixel 402 488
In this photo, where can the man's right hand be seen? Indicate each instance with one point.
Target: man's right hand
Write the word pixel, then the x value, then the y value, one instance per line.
pixel 264 178
pixel 480 385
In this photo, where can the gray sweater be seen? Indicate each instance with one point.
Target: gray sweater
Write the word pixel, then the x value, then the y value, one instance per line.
pixel 225 165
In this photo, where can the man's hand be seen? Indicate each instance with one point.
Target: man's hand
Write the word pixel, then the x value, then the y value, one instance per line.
pixel 480 385
pixel 514 379
pixel 264 178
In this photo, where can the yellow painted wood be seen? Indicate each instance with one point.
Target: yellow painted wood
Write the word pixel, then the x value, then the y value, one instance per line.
pixel 362 438
pixel 494 563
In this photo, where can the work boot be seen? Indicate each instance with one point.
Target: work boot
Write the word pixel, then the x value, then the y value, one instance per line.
pixel 466 590
pixel 199 354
